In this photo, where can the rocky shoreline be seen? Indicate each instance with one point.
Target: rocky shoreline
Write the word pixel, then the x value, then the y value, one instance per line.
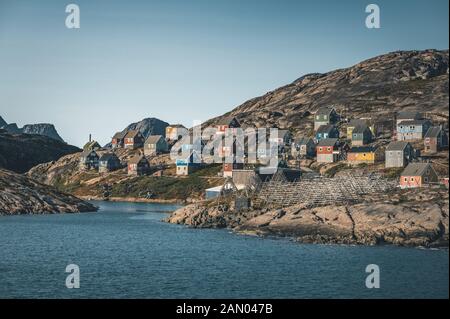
pixel 404 218
pixel 22 195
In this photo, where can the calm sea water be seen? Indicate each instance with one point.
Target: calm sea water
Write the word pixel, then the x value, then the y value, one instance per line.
pixel 125 251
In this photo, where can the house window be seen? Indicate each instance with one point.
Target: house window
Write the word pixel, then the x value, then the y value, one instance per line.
pixel 412 179
pixel 325 117
pixel 320 149
pixel 406 179
pixel 426 179
pixel 328 149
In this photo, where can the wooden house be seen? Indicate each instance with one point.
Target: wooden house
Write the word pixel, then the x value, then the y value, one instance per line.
pixel 327 131
pixel 88 160
pixel 324 116
pixel 118 140
pixel 228 168
pixel 282 138
pixel 361 135
pixel 191 163
pixel 155 144
pixel 133 139
pixel 138 165
pixel 418 175
pixel 108 162
pixel 399 154
pixel 361 155
pixel 328 150
pixel 303 147
pixel 435 140
pixel 407 116
pixel 91 146
pixel 229 122
pixel 412 129
pixel 175 132
pixel 357 122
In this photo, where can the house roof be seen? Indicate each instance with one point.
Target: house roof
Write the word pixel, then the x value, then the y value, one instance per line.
pixel 303 140
pixel 416 169
pixel 433 131
pixel 360 129
pixel 153 139
pixel 108 156
pixel 397 146
pixel 325 110
pixel 356 122
pixel 177 125
pixel 328 142
pixel 119 135
pixel 132 134
pixel 408 116
pixel 325 128
pixel 87 152
pixel 91 144
pixel 362 149
pixel 136 159
pixel 282 133
pixel 414 122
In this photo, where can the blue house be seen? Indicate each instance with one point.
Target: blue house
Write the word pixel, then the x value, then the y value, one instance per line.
pixel 327 131
pixel 187 165
pixel 412 130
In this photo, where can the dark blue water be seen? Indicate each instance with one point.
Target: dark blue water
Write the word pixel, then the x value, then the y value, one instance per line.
pixel 125 251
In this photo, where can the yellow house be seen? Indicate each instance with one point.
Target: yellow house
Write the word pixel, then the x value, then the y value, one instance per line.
pixel 359 155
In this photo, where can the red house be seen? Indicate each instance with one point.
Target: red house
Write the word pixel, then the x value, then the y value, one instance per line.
pixel 328 150
pixel 228 122
pixel 134 139
pixel 418 175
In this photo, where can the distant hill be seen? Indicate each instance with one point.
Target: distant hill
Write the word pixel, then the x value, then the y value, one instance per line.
pixel 45 129
pixel 20 152
pixel 375 88
pixel 148 126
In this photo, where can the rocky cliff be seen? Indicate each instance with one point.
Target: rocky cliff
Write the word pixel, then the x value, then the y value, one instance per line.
pixel 375 88
pixel 20 152
pixel 418 217
pixel 44 129
pixel 21 195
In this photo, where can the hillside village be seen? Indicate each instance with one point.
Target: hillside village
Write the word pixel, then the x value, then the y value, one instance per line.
pixel 415 155
pixel 361 151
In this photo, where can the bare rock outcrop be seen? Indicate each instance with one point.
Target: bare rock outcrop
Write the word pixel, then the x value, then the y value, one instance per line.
pixel 22 195
pixel 417 220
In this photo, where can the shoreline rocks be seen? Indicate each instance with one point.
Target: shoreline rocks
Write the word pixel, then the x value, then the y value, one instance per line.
pixel 421 222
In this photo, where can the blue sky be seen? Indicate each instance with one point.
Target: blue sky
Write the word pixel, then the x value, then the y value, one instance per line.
pixel 184 60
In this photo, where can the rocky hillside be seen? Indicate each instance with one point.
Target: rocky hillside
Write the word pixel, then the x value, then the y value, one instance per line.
pixel 417 217
pixel 375 88
pixel 20 152
pixel 44 129
pixel 21 195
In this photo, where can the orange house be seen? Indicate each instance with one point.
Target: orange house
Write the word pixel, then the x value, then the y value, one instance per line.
pixel 418 175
